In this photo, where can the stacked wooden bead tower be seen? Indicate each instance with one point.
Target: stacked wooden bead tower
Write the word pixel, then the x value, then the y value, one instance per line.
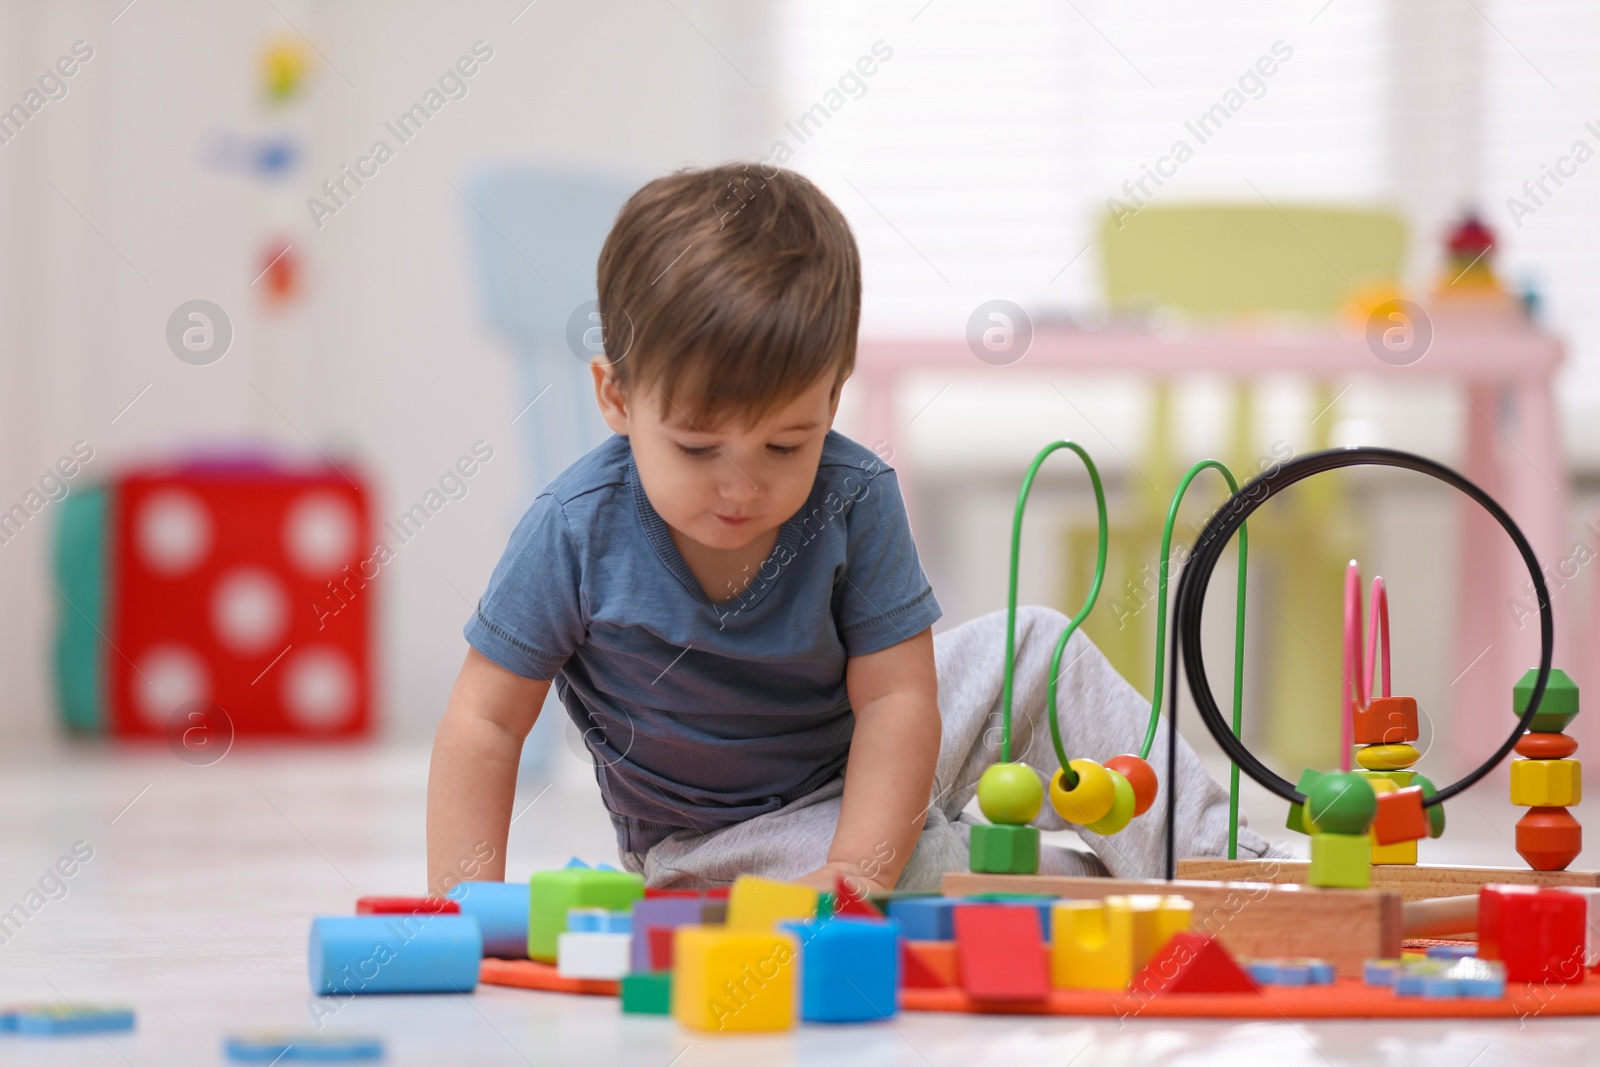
pixel 1545 780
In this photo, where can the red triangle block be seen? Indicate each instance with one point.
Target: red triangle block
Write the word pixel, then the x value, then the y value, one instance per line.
pixel 846 902
pixel 915 972
pixel 1193 963
pixel 1000 952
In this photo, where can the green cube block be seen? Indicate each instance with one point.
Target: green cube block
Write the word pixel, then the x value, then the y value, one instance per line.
pixel 1401 779
pixel 1340 861
pixel 1004 849
pixel 1558 706
pixel 551 893
pixel 647 993
pixel 1297 812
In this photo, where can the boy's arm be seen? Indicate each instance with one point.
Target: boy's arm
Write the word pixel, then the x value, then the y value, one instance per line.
pixel 472 779
pixel 889 778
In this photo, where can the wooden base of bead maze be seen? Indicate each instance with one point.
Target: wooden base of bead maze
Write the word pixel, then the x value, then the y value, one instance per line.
pixel 1422 881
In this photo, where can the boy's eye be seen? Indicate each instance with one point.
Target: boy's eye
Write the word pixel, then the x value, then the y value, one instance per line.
pixel 783 450
pixel 696 453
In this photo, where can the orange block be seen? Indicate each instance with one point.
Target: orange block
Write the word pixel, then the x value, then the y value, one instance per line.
pixel 1400 817
pixel 1549 838
pixel 939 957
pixel 1387 721
pixel 1546 746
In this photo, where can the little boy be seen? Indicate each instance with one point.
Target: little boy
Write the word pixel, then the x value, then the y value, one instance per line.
pixel 728 599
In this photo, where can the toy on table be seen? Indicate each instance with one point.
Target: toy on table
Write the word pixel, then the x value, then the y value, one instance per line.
pixel 1546 780
pixel 1104 798
pixel 56 1020
pixel 270 1048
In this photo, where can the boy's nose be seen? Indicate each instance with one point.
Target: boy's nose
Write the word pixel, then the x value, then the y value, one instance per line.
pixel 741 487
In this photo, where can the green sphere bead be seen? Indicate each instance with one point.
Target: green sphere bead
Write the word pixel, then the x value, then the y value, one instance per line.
pixel 1123 802
pixel 1010 794
pixel 1341 803
pixel 1435 813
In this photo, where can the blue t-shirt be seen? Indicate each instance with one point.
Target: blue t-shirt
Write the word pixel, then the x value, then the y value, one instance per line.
pixel 699 714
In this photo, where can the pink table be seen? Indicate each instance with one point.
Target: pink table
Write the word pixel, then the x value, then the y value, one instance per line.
pixel 1504 370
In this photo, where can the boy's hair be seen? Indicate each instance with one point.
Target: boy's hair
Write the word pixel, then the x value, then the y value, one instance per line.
pixel 729 289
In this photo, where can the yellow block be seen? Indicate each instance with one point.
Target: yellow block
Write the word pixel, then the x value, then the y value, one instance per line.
pixel 1387 757
pixel 1546 783
pixel 733 980
pixel 761 904
pixel 1102 944
pixel 1400 851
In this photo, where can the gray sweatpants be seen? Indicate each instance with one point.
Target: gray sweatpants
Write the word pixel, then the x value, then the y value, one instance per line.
pixel 1101 716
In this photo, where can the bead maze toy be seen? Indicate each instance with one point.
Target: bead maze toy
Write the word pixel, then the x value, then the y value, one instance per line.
pixel 1258 938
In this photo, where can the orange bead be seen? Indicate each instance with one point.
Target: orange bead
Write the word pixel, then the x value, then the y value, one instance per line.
pixel 1546 746
pixel 1141 776
pixel 1387 721
pixel 1549 838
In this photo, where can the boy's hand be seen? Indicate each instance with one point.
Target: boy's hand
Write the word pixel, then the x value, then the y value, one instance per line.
pixel 826 878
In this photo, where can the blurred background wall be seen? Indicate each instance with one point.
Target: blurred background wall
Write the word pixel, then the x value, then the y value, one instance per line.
pixel 976 161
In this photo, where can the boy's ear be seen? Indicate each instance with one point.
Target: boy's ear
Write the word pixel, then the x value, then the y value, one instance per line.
pixel 609 395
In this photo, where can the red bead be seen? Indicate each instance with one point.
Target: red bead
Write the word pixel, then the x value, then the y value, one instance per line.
pixel 1387 721
pixel 1538 931
pixel 1141 776
pixel 1400 817
pixel 1549 838
pixel 1546 746
pixel 406 906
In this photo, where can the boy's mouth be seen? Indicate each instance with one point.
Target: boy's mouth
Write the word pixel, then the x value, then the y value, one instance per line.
pixel 732 520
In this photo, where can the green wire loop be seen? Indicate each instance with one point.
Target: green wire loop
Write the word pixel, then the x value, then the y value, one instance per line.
pixel 1011 604
pixel 1238 636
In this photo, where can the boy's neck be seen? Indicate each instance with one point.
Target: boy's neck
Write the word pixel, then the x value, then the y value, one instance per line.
pixel 724 573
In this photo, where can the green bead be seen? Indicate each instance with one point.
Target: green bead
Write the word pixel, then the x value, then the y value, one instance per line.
pixel 1557 708
pixel 1297 812
pixel 1341 803
pixel 1001 849
pixel 1435 813
pixel 1010 793
pixel 1122 804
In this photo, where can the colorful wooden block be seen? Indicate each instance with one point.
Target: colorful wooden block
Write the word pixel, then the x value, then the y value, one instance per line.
pixel 920 970
pixel 849 969
pixel 406 906
pixel 1000 952
pixel 647 993
pixel 592 954
pixel 1340 861
pixel 847 901
pixel 1102 944
pixel 1297 812
pixel 728 980
pixel 761 903
pixel 598 921
pixel 1558 706
pixel 1549 839
pixel 60 1019
pixel 1387 757
pixel 924 918
pixel 1387 721
pixel 664 914
pixel 1546 746
pixel 351 954
pixel 1538 932
pixel 1401 779
pixel 1399 853
pixel 270 1048
pixel 501 909
pixel 1546 783
pixel 1400 817
pixel 1192 963
pixel 551 894
pixel 998 849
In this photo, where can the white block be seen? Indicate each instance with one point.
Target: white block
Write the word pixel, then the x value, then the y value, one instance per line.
pixel 592 955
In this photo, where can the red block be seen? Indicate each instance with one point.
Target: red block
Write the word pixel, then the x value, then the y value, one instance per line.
pixel 915 972
pixel 661 947
pixel 1193 963
pixel 1000 952
pixel 846 902
pixel 1400 816
pixel 1387 721
pixel 1538 931
pixel 407 906
pixel 709 894
pixel 239 603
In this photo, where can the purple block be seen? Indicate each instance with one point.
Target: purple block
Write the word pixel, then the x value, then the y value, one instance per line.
pixel 660 911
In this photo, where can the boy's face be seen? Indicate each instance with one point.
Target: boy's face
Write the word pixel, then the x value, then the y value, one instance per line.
pixel 725 485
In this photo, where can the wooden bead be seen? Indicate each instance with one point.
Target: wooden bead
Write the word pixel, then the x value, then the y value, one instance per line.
pixel 1549 838
pixel 1340 861
pixel 1002 849
pixel 1546 746
pixel 1341 803
pixel 1010 794
pixel 1546 783
pixel 1558 706
pixel 1387 757
pixel 1090 800
pixel 1435 813
pixel 1400 817
pixel 1141 776
pixel 1122 802
pixel 1387 721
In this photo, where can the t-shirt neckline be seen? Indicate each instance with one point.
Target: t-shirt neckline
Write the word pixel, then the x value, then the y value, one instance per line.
pixel 660 537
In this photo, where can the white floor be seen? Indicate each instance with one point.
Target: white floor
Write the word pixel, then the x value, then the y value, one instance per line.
pixel 195 905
